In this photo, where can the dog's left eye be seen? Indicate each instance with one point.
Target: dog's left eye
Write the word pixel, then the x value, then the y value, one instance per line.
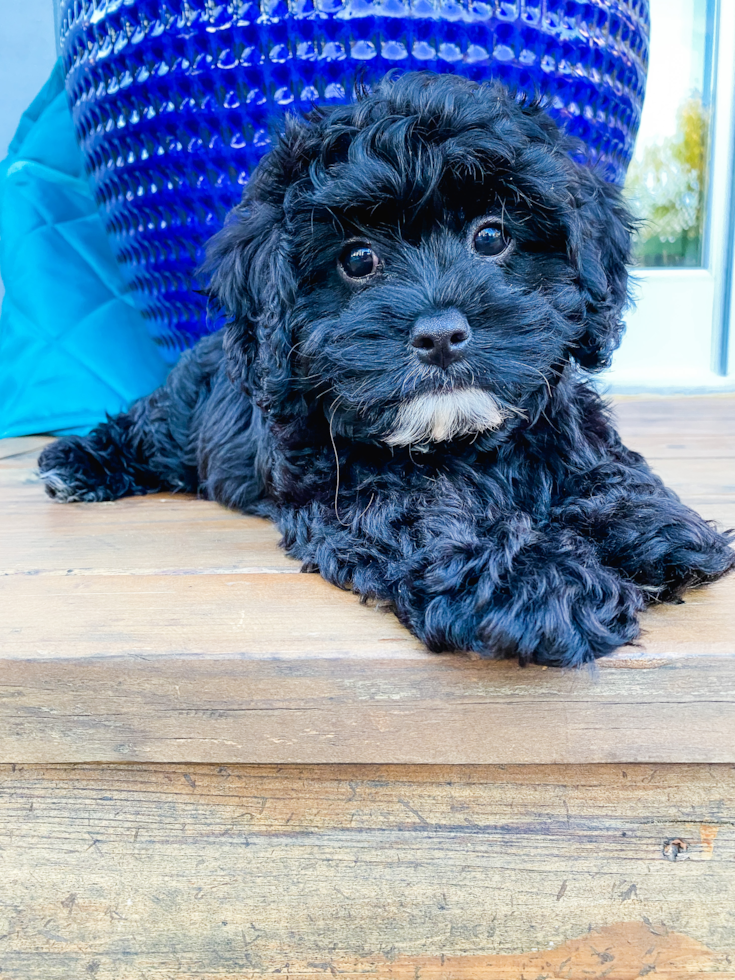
pixel 490 240
pixel 358 261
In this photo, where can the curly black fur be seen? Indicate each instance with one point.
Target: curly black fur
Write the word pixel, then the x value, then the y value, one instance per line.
pixel 539 538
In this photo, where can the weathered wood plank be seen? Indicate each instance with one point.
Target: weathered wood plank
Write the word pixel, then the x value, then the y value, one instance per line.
pixel 257 615
pixel 681 415
pixel 153 628
pixel 698 480
pixel 170 534
pixel 133 872
pixel 394 708
pixel 159 534
pixel 162 534
pixel 22 445
pixel 135 649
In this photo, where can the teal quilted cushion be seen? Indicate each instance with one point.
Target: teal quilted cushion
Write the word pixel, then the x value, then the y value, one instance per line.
pixel 72 346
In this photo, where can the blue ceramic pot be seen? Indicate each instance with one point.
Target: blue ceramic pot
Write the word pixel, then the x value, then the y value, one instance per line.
pixel 172 99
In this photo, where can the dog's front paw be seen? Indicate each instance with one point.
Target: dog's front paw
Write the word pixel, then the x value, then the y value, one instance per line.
pixel 566 631
pixel 559 619
pixel 71 473
pixel 683 556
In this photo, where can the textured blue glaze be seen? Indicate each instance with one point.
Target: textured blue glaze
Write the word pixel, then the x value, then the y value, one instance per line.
pixel 172 99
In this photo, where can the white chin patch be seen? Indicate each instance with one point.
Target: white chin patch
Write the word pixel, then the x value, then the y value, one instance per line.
pixel 440 416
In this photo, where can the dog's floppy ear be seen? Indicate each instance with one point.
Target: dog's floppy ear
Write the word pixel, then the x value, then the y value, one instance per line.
pixel 600 244
pixel 252 278
pixel 252 282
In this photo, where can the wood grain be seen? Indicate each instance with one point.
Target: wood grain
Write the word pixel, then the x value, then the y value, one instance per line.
pixel 235 699
pixel 473 873
pixel 158 535
pixel 166 628
pixel 22 445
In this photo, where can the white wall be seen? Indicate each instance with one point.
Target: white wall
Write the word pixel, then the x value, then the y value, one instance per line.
pixel 677 335
pixel 27 55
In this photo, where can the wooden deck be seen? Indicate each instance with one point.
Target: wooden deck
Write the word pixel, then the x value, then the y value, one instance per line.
pixel 216 767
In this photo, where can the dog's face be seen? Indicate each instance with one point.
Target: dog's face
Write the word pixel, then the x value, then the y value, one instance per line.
pixel 421 265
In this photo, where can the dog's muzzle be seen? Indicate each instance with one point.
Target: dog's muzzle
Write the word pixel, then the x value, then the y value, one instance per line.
pixel 442 416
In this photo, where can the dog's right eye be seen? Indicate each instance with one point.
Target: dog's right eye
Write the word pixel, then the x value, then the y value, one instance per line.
pixel 358 261
pixel 489 240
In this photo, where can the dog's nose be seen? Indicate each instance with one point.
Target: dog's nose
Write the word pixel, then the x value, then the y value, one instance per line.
pixel 441 338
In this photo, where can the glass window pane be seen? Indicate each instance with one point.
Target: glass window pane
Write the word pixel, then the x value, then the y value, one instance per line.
pixel 667 179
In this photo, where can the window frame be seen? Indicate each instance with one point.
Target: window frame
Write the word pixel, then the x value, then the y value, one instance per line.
pixel 678 334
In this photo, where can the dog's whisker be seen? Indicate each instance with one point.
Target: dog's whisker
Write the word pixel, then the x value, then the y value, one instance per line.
pixel 336 460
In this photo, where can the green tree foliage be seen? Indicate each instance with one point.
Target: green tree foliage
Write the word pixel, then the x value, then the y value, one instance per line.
pixel 666 186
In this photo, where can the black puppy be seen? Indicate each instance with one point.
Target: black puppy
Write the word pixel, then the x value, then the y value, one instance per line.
pixel 416 284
